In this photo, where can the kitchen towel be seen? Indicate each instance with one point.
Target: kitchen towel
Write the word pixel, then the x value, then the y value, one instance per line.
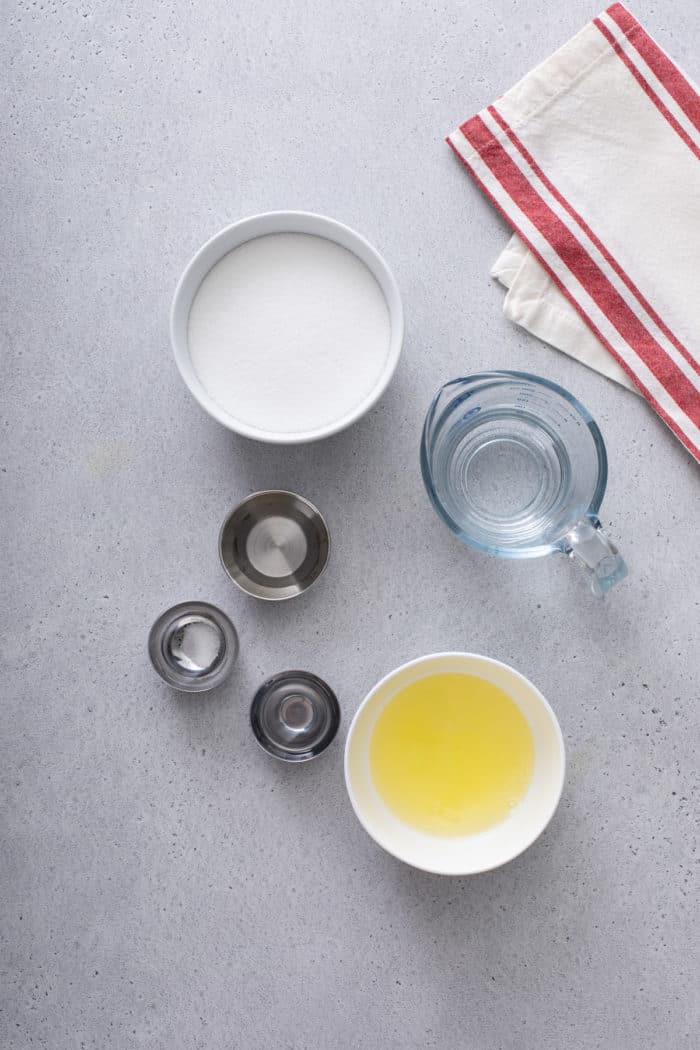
pixel 593 160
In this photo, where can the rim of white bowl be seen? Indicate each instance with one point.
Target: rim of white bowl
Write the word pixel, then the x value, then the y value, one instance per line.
pixel 260 225
pixel 549 711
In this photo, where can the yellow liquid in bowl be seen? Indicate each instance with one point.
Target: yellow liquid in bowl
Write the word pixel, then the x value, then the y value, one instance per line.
pixel 451 754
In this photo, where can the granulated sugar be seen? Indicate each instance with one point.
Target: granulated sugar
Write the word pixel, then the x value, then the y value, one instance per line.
pixel 289 332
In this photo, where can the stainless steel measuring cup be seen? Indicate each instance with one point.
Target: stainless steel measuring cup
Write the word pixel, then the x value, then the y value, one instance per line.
pixel 516 466
pixel 193 646
pixel 274 545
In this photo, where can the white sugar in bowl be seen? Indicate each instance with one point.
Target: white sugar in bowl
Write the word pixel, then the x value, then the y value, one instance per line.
pixel 287 326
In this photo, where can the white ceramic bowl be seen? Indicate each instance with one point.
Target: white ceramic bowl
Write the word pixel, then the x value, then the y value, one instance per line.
pixel 258 226
pixel 464 855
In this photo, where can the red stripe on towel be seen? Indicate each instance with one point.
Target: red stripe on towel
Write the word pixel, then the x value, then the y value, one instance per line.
pixel 609 258
pixel 670 423
pixel 519 190
pixel 678 87
pixel 646 88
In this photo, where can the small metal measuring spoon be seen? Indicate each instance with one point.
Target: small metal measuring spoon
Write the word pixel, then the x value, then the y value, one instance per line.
pixel 193 646
pixel 274 544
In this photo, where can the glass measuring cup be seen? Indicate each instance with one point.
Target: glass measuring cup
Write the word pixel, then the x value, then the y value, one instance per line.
pixel 516 466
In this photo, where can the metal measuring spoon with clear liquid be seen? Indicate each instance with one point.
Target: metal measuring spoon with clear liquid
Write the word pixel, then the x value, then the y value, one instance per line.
pixel 193 646
pixel 294 716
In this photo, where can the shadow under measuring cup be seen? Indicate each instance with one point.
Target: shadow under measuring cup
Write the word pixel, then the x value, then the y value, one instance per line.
pixel 515 466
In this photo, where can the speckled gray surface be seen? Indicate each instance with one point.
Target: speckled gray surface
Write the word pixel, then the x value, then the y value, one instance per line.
pixel 164 884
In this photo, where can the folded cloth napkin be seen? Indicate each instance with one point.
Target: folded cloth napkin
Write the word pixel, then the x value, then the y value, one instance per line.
pixel 593 160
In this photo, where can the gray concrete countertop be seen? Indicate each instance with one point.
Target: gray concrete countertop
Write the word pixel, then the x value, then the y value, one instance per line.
pixel 164 884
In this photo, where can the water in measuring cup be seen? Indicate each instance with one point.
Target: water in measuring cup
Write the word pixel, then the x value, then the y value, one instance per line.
pixel 504 476
pixel 516 466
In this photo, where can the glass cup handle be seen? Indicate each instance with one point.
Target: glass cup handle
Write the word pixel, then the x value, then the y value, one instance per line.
pixel 587 543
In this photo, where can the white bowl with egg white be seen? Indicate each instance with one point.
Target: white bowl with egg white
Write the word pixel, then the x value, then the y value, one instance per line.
pixel 497 844
pixel 287 326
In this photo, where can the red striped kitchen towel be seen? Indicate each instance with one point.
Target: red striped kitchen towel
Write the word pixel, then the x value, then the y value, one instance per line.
pixel 593 160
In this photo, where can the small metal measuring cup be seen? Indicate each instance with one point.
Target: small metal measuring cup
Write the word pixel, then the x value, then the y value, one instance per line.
pixel 274 544
pixel 294 716
pixel 193 646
